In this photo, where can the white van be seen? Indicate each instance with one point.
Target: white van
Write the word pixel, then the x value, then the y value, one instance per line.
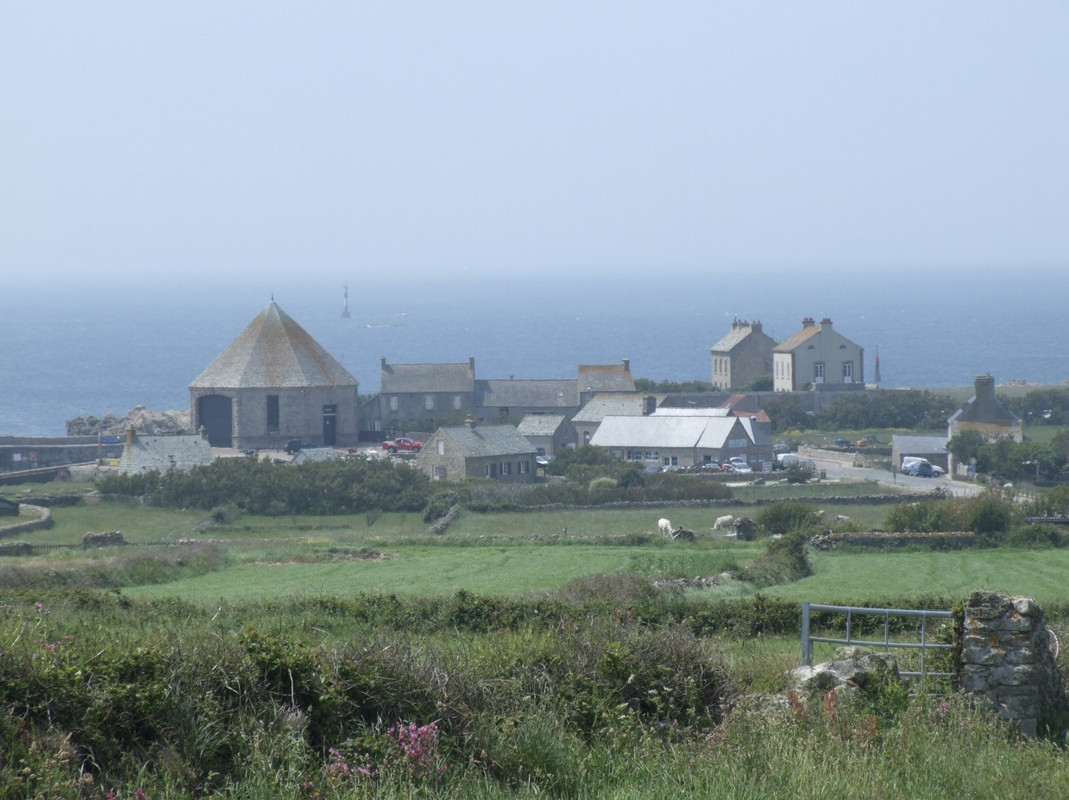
pixel 909 461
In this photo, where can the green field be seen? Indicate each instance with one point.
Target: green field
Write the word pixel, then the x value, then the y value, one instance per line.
pixel 273 657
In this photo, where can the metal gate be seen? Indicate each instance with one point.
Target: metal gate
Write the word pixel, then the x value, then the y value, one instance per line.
pixel 924 645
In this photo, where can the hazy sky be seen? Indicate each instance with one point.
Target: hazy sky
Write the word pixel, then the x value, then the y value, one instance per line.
pixel 236 139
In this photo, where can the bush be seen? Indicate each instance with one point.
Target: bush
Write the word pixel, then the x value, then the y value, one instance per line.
pixel 783 518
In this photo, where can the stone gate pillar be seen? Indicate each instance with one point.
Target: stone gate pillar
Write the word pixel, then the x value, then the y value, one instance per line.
pixel 1007 660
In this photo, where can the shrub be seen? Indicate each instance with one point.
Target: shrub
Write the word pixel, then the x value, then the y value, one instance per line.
pixel 782 518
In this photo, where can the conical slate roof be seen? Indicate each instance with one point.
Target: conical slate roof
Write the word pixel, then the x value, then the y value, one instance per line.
pixel 273 352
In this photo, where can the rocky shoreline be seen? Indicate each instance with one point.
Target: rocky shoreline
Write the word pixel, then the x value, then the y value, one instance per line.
pixel 143 420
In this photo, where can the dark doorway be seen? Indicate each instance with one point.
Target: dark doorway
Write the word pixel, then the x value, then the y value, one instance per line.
pixel 330 426
pixel 215 413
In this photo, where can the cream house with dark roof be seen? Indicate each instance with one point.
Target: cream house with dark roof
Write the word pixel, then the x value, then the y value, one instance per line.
pixel 817 358
pixel 273 383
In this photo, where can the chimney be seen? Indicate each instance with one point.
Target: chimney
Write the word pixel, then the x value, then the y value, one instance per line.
pixel 649 405
pixel 627 364
pixel 807 322
pixel 756 327
pixel 471 363
pixel 826 322
pixel 382 361
pixel 470 422
pixel 985 388
pixel 129 437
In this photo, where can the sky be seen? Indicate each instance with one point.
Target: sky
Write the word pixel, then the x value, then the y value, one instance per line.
pixel 356 141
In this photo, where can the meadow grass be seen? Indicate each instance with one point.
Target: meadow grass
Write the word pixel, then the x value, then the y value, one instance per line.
pixel 850 577
pixel 510 570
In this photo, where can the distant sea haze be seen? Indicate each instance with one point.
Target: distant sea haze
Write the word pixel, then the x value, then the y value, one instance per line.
pixel 95 351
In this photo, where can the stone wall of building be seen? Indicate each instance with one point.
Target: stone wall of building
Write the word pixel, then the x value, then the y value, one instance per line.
pixel 1008 662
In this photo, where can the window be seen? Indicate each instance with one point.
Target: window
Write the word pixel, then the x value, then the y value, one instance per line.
pixel 272 413
pixel 634 455
pixel 818 372
pixel 439 473
pixel 440 447
pixel 428 402
pixel 457 402
pixel 524 467
pixel 848 372
pixel 506 467
pixel 670 461
pixel 393 402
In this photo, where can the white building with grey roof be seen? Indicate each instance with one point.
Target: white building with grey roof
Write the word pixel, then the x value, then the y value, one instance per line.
pixel 683 439
pixel 274 383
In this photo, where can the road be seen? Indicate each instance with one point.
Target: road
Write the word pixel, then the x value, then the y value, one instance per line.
pixel 838 467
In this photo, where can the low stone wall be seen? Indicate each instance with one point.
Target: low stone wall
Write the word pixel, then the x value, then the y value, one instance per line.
pixel 42 521
pixel 1007 660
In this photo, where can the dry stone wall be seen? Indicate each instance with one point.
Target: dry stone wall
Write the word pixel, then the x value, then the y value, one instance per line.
pixel 1007 660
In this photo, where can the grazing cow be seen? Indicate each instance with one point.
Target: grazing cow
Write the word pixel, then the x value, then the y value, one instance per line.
pixel 664 526
pixel 726 521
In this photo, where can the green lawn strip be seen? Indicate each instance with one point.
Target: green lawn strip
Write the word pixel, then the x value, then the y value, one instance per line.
pixel 858 577
pixel 440 571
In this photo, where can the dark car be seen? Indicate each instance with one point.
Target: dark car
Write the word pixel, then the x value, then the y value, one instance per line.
pixel 295 446
pixel 921 469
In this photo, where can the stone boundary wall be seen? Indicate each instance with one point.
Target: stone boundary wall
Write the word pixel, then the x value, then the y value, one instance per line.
pixel 1008 662
pixel 42 522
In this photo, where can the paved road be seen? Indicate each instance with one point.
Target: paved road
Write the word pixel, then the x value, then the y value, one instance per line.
pixel 834 468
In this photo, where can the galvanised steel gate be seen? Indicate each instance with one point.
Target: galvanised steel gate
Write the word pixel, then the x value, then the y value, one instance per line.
pixel 924 645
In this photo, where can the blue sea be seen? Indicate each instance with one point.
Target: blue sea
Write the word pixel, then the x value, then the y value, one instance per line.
pixel 78 350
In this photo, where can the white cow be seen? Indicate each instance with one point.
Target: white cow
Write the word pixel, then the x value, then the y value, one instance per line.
pixel 725 521
pixel 842 518
pixel 664 526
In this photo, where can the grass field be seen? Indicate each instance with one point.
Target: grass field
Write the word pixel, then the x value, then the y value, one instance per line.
pixel 860 577
pixel 524 552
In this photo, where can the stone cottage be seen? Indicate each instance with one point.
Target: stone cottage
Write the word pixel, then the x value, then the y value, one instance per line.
pixel 496 452
pixel 273 383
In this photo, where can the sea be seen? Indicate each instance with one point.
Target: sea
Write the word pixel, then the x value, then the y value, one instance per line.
pixel 80 349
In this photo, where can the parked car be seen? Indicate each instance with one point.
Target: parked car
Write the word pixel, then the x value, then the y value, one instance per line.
pixel 921 469
pixel 402 443
pixel 294 446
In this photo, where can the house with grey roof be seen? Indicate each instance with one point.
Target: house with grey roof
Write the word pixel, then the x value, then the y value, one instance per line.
pixel 618 404
pixel 163 453
pixel 495 452
pixel 509 400
pixel 273 383
pixel 743 355
pixel 985 414
pixel 308 455
pixel 596 378
pixel 547 433
pixel 425 392
pixel 678 439
pixel 817 358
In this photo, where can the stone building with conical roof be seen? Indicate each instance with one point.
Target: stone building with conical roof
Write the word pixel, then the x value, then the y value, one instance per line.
pixel 274 383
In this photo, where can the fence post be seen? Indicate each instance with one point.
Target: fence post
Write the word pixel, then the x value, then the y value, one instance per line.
pixel 807 647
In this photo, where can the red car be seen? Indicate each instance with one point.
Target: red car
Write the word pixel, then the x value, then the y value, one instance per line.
pixel 403 443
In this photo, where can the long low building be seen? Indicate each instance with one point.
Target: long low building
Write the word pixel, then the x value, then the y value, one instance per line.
pixel 684 440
